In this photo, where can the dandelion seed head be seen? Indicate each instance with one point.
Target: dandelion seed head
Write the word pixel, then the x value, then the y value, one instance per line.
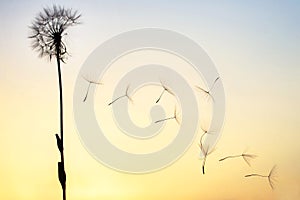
pixel 48 30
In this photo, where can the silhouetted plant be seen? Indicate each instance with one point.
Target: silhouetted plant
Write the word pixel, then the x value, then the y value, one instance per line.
pixel 48 29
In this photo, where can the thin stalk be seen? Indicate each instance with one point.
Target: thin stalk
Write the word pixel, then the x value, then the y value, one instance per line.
pixel 125 95
pixel 271 176
pixel 174 117
pixel 230 157
pixel 88 88
pixel 249 175
pixel 160 96
pixel 87 92
pixel 62 175
pixel 161 120
pixel 203 165
pixel 247 157
pixel 205 153
pixel 116 99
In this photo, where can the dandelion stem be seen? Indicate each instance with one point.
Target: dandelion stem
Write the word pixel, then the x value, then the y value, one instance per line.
pixel 63 180
pixel 48 30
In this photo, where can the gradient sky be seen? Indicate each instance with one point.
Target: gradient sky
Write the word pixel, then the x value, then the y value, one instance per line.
pixel 255 46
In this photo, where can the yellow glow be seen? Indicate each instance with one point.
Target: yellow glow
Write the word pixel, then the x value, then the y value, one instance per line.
pixel 256 50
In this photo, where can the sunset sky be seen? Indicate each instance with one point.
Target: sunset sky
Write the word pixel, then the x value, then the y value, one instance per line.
pixel 255 46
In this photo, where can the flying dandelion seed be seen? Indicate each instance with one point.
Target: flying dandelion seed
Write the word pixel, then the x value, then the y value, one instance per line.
pixel 88 88
pixel 247 157
pixel 175 116
pixel 208 92
pixel 165 89
pixel 141 78
pixel 204 151
pixel 120 97
pixel 271 176
pixel 206 131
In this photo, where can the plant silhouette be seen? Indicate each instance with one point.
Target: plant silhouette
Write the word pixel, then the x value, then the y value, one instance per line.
pixel 47 32
pixel 247 157
pixel 175 116
pixel 208 92
pixel 88 88
pixel 120 97
pixel 271 176
pixel 165 89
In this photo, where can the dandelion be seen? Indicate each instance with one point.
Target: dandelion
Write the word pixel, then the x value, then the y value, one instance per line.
pixel 47 32
pixel 88 88
pixel 165 89
pixel 271 176
pixel 208 92
pixel 247 157
pixel 175 116
pixel 120 97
